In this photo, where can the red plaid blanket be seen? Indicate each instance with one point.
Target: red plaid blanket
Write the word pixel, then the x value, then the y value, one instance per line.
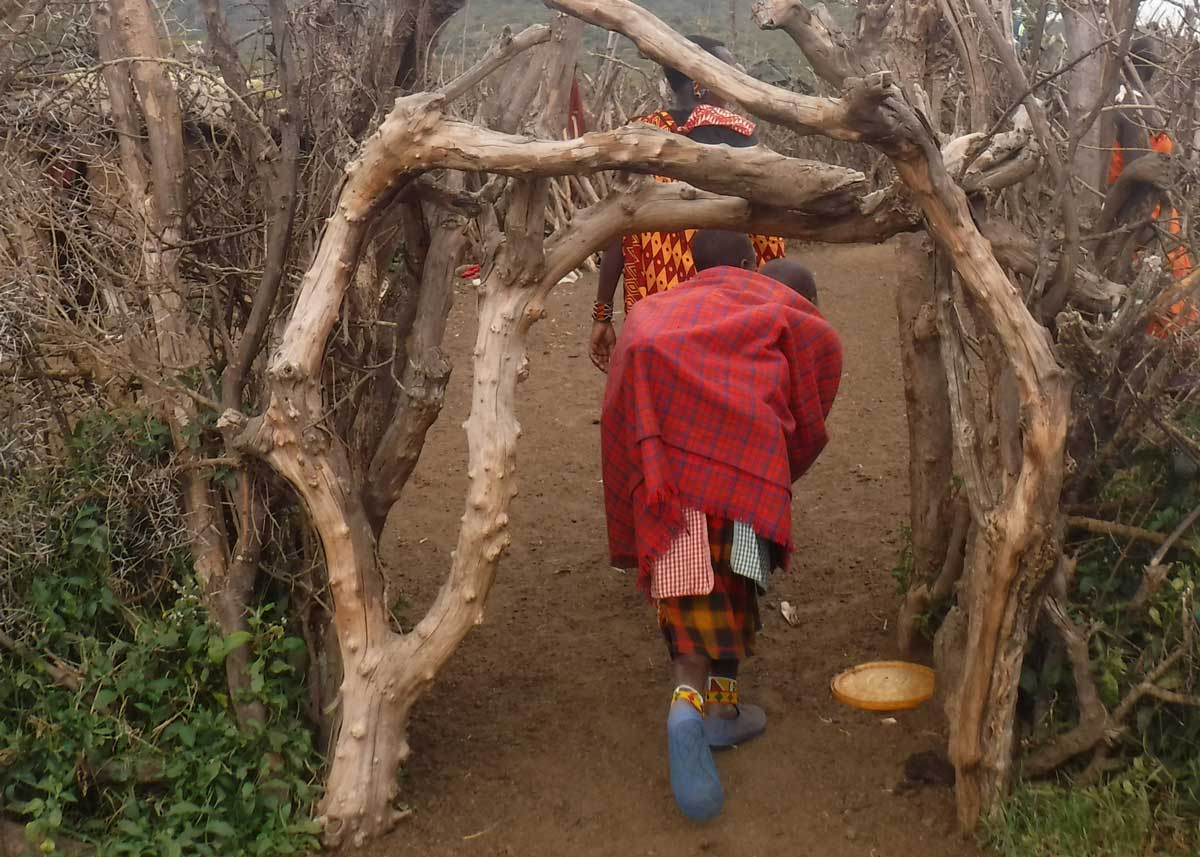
pixel 716 400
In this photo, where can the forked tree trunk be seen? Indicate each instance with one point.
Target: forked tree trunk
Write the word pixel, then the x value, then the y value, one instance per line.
pixel 142 91
pixel 384 672
pixel 1014 544
pixel 378 694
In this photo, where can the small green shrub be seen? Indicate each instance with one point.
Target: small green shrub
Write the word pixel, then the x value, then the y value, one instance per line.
pixel 1148 802
pixel 115 722
pixel 1124 817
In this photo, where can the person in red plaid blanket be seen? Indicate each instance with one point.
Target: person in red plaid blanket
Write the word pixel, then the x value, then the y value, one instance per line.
pixel 715 404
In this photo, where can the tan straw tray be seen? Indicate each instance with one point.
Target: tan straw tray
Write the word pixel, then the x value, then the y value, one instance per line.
pixel 884 686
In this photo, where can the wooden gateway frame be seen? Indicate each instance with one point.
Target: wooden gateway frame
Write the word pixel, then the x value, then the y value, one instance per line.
pixel 1011 540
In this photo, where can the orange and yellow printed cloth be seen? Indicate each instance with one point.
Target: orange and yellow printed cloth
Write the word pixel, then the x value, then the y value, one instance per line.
pixel 659 261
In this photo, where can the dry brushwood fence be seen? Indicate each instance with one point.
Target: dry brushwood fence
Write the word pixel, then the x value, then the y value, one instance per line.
pixel 255 241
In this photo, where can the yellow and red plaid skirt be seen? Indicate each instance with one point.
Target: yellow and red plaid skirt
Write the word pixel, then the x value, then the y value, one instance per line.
pixel 723 624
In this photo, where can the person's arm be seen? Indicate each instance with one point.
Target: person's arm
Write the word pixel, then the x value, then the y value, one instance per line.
pixel 1132 136
pixel 604 337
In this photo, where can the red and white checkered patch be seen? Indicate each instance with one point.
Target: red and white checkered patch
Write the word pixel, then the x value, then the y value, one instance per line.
pixel 686 566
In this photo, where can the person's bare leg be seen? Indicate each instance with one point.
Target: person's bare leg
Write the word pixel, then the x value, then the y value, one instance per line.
pixel 691 670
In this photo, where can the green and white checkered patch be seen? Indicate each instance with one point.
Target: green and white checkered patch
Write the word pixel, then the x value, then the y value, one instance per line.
pixel 750 555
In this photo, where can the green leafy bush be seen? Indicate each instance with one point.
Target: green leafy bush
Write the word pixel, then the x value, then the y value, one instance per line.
pixel 115 723
pixel 1139 792
pixel 1124 817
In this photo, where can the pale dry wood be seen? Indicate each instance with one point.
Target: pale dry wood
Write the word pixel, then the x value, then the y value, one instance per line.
pixel 767 176
pixel 142 92
pixel 418 136
pixel 833 57
pixel 659 42
pixel 649 205
pixel 1115 528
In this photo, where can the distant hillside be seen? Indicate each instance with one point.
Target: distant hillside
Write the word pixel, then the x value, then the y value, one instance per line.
pixel 481 21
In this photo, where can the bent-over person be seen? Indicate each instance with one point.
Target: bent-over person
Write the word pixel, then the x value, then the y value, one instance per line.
pixel 715 404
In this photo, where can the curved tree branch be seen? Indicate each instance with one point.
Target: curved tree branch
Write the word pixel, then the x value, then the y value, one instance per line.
pixel 804 114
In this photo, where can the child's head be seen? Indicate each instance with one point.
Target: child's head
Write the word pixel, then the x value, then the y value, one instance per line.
pixel 714 247
pixel 793 275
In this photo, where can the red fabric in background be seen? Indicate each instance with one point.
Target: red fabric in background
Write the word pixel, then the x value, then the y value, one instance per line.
pixel 716 399
pixel 577 118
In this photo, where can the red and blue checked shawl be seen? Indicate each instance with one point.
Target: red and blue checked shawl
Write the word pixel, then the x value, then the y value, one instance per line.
pixel 716 400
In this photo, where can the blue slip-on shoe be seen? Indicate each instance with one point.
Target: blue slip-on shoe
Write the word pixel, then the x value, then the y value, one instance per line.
pixel 722 734
pixel 694 778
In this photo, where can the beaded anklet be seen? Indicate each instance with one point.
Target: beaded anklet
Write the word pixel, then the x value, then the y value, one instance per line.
pixel 722 690
pixel 688 694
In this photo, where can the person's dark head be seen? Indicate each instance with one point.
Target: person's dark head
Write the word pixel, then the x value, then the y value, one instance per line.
pixel 681 84
pixel 714 247
pixel 1143 57
pixel 793 275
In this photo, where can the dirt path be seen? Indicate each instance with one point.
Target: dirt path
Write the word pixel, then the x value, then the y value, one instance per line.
pixel 545 736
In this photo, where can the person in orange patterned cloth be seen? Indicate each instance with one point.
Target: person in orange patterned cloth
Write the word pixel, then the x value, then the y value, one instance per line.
pixel 1136 135
pixel 652 262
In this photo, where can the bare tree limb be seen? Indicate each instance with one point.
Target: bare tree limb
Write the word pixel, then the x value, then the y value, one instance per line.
pixel 1113 528
pixel 1068 261
pixel 656 40
pixel 507 48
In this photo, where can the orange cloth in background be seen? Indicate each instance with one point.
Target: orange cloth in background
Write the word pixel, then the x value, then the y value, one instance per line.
pixel 1159 142
pixel 1184 312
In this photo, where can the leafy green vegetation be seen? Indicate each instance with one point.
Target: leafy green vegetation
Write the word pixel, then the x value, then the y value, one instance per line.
pixel 1148 801
pixel 115 722
pixel 1121 818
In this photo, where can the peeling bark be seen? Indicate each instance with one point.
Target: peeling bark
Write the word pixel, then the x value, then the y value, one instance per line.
pixel 930 444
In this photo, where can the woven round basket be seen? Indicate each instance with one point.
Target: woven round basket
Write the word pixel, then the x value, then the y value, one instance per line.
pixel 884 686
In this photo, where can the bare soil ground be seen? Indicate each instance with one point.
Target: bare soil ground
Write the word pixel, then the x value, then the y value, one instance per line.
pixel 546 733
